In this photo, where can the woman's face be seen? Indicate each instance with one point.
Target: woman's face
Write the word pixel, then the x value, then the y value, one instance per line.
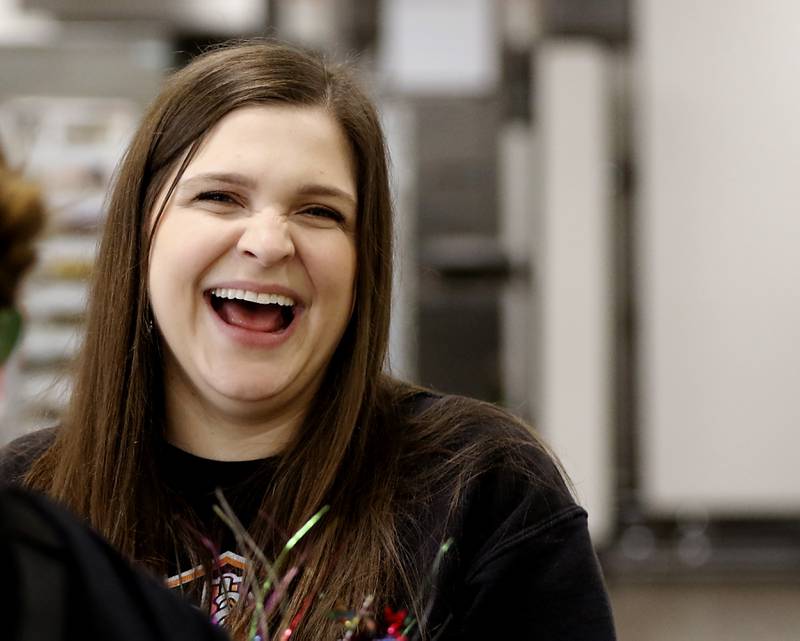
pixel 253 264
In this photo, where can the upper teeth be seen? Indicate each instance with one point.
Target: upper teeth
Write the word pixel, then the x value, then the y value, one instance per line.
pixel 253 297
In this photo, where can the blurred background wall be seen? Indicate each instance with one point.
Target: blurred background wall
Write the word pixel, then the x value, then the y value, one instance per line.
pixel 597 220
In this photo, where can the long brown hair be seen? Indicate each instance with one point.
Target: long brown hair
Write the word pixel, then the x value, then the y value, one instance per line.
pixel 347 453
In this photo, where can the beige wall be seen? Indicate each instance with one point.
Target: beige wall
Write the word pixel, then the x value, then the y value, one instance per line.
pixel 718 262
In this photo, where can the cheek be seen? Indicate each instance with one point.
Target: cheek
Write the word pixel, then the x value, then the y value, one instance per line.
pixel 184 247
pixel 168 263
pixel 177 262
pixel 336 267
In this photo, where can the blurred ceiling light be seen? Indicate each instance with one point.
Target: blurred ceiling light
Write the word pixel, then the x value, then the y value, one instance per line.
pixel 24 27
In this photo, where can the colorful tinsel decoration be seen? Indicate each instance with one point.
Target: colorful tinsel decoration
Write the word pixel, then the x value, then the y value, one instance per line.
pixel 363 624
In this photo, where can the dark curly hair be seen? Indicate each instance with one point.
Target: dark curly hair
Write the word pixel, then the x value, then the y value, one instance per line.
pixel 22 216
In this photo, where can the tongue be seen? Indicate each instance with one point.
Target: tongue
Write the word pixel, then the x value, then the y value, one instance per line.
pixel 252 316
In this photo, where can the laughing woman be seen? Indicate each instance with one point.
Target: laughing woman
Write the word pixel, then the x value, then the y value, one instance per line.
pixel 236 339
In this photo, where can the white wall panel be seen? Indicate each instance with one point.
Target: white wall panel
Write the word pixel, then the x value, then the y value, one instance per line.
pixel 574 268
pixel 439 46
pixel 719 259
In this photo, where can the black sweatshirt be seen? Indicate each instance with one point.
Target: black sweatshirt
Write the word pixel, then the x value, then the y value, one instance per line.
pixel 521 566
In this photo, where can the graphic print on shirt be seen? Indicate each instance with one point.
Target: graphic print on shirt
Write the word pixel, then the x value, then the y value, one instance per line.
pixel 225 585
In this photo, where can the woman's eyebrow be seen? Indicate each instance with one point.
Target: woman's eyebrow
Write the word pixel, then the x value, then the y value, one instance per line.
pixel 313 189
pixel 221 177
pixel 241 180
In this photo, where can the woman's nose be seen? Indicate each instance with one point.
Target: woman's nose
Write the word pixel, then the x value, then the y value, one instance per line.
pixel 267 238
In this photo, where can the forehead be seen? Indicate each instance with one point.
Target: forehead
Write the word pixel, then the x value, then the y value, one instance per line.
pixel 279 142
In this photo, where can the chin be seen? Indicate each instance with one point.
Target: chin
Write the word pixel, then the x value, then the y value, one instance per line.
pixel 244 391
pixel 249 395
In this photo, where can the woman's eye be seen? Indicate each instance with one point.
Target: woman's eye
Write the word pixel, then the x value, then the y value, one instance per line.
pixel 216 197
pixel 324 212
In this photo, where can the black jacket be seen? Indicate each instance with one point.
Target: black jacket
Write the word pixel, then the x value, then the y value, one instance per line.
pixel 63 582
pixel 522 564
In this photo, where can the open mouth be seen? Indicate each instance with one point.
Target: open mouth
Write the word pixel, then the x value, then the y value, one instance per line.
pixel 253 311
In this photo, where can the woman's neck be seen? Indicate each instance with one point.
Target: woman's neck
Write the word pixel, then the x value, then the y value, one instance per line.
pixel 212 432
